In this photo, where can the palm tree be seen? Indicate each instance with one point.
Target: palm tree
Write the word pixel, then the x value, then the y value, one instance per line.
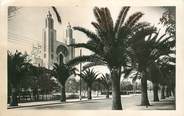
pixel 155 77
pixel 168 19
pixel 168 79
pixel 89 76
pixel 62 72
pixel 38 73
pixel 106 81
pixel 109 44
pixel 146 52
pixel 17 69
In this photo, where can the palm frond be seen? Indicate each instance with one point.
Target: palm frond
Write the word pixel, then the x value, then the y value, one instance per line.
pixel 166 39
pixel 97 13
pixel 57 14
pixel 98 28
pixel 88 46
pixel 121 18
pixel 105 80
pixel 88 33
pixel 89 76
pixel 139 26
pixel 89 65
pixel 110 21
pixel 132 20
pixel 80 59
pixel 161 37
pixel 62 72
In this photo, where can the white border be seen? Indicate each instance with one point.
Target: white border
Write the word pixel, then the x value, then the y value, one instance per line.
pixel 179 56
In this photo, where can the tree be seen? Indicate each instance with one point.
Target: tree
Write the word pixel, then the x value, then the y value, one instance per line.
pixel 72 85
pixel 168 19
pixel 37 73
pixel 89 76
pixel 18 66
pixel 62 72
pixel 45 83
pixel 155 77
pixel 109 44
pixel 167 67
pixel 126 86
pixel 147 51
pixel 42 82
pixel 106 81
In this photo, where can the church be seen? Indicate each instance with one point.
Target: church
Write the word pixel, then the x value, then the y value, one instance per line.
pixel 51 48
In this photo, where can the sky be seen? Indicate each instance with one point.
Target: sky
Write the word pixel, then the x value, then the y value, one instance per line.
pixel 26 25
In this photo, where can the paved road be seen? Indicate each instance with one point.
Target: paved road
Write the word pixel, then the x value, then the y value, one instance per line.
pixel 130 102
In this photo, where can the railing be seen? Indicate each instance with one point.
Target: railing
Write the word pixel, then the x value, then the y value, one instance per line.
pixel 123 92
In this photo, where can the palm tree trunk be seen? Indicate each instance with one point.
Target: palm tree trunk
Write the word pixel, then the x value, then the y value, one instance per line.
pixel 144 95
pixel 107 94
pixel 45 95
pixel 116 95
pixel 163 92
pixel 89 93
pixel 173 91
pixel 13 100
pixel 170 91
pixel 63 95
pixel 37 96
pixel 155 92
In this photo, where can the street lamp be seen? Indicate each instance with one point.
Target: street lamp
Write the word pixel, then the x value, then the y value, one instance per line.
pixel 80 96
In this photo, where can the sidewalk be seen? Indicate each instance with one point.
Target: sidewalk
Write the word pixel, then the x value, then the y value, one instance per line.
pixel 163 104
pixel 41 103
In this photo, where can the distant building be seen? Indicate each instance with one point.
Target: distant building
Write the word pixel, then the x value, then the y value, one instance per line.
pixel 51 48
pixel 36 55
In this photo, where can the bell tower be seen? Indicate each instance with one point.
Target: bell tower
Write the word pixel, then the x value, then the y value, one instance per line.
pixel 70 40
pixel 48 41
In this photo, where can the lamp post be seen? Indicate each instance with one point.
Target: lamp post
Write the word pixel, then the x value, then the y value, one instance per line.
pixel 80 96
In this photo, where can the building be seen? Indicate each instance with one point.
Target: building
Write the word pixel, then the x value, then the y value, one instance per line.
pixel 51 49
pixel 70 40
pixel 36 55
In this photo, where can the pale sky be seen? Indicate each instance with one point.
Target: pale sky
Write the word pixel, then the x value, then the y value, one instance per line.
pixel 25 28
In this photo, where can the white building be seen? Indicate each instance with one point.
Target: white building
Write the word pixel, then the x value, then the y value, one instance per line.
pixel 36 55
pixel 51 48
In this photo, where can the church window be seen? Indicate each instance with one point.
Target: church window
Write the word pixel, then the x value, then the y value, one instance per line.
pixel 52 42
pixel 44 41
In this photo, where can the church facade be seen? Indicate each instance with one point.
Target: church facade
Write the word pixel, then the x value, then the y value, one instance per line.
pixel 51 48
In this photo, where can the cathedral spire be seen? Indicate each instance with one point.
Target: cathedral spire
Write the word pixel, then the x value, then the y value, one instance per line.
pixel 70 40
pixel 69 33
pixel 69 26
pixel 49 22
pixel 49 14
pixel 48 42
